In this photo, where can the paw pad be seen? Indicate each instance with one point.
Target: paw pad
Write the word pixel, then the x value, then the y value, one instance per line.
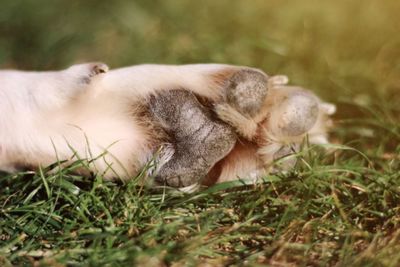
pixel 246 91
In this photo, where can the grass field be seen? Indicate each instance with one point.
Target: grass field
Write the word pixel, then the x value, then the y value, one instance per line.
pixel 335 209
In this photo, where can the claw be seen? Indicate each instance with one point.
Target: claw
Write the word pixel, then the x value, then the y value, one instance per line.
pixel 98 68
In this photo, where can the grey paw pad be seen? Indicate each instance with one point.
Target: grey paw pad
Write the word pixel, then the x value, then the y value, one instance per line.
pixel 246 91
pixel 199 140
pixel 300 115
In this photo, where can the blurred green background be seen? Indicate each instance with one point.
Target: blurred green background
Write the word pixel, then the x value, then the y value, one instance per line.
pixel 335 47
pixel 346 51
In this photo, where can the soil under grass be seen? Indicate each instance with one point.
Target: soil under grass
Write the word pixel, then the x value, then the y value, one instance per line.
pixel 339 207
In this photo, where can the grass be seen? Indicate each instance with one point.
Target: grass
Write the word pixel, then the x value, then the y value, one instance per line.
pixel 335 209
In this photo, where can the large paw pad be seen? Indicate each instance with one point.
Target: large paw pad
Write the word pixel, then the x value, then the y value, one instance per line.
pixel 199 141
